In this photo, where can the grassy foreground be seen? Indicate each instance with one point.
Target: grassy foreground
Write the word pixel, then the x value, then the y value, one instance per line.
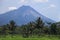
pixel 30 38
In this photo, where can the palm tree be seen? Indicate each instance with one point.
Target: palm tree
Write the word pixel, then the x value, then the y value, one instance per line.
pixel 12 27
pixel 39 25
pixel 53 28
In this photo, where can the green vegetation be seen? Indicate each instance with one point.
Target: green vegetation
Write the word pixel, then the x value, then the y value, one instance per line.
pixel 17 37
pixel 36 30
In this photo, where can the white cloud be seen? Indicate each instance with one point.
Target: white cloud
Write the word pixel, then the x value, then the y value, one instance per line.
pixel 22 1
pixel 52 5
pixel 32 1
pixel 41 1
pixel 12 8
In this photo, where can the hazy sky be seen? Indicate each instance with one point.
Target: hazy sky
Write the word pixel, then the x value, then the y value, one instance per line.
pixel 49 8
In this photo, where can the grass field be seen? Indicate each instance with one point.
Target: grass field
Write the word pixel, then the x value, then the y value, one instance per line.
pixel 17 37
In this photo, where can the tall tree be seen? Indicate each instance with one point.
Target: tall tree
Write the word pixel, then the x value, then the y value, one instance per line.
pixel 4 28
pixel 12 26
pixel 39 23
pixel 53 28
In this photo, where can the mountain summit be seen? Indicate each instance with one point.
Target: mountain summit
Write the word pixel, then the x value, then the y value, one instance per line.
pixel 22 15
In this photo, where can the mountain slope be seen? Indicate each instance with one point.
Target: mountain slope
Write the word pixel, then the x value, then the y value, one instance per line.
pixel 22 15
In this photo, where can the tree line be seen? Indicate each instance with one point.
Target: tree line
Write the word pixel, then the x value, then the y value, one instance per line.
pixel 38 27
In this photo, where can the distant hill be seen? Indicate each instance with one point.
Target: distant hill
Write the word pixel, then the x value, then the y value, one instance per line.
pixel 22 15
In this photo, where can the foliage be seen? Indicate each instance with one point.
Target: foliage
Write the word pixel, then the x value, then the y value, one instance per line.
pixel 53 28
pixel 30 29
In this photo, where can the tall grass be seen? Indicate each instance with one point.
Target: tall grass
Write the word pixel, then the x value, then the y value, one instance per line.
pixel 19 37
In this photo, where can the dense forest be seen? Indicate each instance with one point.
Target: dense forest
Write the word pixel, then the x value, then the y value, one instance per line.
pixel 37 27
